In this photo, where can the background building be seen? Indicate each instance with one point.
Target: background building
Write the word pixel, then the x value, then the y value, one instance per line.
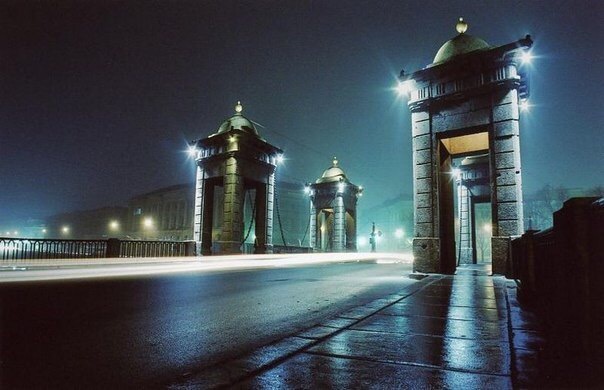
pixel 94 224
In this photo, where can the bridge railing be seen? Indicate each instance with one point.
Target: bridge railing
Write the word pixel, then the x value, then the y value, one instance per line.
pixel 559 271
pixel 31 248
pixel 12 249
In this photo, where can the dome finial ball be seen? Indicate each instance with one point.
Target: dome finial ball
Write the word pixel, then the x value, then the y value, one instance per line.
pixel 461 26
pixel 238 107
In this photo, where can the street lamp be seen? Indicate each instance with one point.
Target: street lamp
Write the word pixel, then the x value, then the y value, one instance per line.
pixel 148 223
pixel 399 233
pixel 65 229
pixel 403 88
pixel 114 225
pixel 192 151
pixel 526 57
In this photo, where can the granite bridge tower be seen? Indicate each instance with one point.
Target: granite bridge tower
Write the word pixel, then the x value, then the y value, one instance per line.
pixel 333 211
pixel 466 103
pixel 237 161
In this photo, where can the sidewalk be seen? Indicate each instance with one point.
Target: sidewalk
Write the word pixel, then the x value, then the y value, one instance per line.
pixel 461 331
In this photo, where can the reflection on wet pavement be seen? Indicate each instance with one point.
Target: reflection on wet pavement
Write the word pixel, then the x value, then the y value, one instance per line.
pixel 452 333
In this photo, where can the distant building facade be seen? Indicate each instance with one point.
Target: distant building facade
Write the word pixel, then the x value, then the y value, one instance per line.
pixel 165 214
pixel 94 224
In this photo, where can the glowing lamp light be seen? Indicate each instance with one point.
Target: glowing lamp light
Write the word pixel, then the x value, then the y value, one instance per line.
pixel 487 228
pixel 65 229
pixel 44 231
pixel 148 222
pixel 114 225
pixel 280 159
pixel 306 189
pixel 362 241
pixel 456 172
pixel 399 233
pixel 403 88
pixel 192 151
pixel 526 57
pixel 524 105
pixel 16 232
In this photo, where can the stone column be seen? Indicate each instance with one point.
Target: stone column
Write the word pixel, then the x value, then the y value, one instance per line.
pixel 339 227
pixel 232 229
pixel 312 225
pixel 270 201
pixel 505 178
pixel 465 225
pixel 426 245
pixel 198 208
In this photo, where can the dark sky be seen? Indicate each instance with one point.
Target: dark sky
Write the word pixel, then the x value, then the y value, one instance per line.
pixel 98 98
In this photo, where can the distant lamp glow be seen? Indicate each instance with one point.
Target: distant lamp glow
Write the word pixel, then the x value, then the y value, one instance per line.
pixel 44 231
pixel 238 108
pixel 456 172
pixel 280 159
pixel 399 233
pixel 362 241
pixel 192 151
pixel 114 225
pixel 403 88
pixel 8 233
pixel 148 222
pixel 526 57
pixel 306 189
pixel 65 229
pixel 487 227
pixel 16 232
pixel 232 139
pixel 524 105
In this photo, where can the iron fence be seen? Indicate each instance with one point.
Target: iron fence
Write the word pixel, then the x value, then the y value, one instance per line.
pixel 31 248
pixel 41 249
pixel 154 249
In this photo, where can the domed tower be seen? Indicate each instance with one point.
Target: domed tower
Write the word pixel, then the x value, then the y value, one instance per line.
pixel 239 161
pixel 466 103
pixel 333 211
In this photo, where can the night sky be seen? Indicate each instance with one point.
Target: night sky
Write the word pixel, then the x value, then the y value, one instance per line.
pixel 99 98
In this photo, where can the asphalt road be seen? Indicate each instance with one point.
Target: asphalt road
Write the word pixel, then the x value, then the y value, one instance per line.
pixel 146 331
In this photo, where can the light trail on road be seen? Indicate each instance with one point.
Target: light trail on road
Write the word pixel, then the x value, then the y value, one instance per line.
pixel 97 268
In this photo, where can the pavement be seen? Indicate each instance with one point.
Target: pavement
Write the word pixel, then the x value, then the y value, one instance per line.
pixel 446 331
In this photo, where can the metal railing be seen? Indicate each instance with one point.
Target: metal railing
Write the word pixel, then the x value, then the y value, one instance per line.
pixel 153 249
pixel 42 249
pixel 31 248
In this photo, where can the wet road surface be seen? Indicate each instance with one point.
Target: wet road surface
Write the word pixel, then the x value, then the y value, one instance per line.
pixel 148 330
